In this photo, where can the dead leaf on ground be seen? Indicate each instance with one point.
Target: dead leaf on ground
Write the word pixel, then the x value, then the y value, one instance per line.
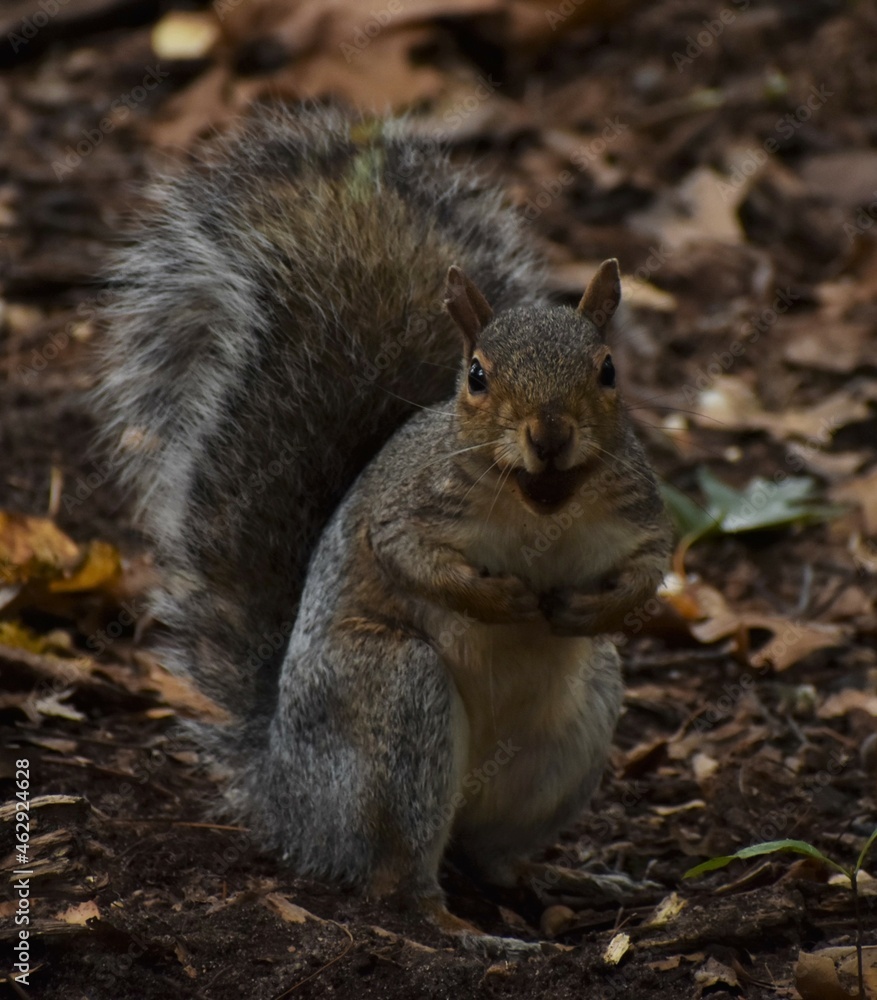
pixel 861 491
pixel 848 700
pixel 702 207
pixel 34 548
pixel 731 404
pixel 711 618
pixel 80 914
pixel 830 974
pixel 714 973
pixel 290 912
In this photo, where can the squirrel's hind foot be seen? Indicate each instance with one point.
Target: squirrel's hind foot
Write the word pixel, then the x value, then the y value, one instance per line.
pixel 475 941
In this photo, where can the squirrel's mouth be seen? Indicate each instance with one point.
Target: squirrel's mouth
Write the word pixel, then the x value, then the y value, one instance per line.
pixel 547 491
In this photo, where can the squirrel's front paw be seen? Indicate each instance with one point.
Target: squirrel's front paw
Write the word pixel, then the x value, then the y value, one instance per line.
pixel 500 599
pixel 575 612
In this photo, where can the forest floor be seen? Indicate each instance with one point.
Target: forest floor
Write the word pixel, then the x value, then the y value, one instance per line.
pixel 727 155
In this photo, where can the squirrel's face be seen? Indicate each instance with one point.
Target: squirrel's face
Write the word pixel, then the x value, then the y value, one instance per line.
pixel 537 402
pixel 539 392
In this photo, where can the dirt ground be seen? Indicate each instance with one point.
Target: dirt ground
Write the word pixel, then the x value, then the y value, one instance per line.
pixel 727 155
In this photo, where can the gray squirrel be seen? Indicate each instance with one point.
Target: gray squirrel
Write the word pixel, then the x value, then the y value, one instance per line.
pixel 396 500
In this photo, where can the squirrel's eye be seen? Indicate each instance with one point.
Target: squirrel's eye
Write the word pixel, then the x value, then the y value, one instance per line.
pixel 477 378
pixel 607 373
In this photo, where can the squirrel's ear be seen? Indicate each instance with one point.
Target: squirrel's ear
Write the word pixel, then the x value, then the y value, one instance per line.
pixel 602 295
pixel 466 306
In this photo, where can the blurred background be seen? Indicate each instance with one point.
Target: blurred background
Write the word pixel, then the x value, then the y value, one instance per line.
pixel 726 153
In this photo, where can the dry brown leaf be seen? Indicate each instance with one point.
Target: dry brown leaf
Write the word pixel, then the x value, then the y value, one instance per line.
pixel 179 693
pixel 80 914
pixel 383 77
pixel 731 404
pixel 101 568
pixel 710 618
pixel 704 766
pixel 541 21
pixel 666 964
pixel 667 910
pixel 187 114
pixel 54 705
pixel 857 167
pixel 33 548
pixel 715 973
pixel 644 757
pixel 851 346
pixel 848 700
pixel 703 207
pixel 407 942
pixel 14 635
pixel 827 465
pixel 861 491
pixel 289 912
pixel 556 919
pixel 816 976
pixel 793 640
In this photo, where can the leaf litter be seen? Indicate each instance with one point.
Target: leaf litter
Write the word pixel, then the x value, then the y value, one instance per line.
pixel 751 685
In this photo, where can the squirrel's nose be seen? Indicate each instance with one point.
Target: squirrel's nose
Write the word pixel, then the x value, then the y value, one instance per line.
pixel 549 438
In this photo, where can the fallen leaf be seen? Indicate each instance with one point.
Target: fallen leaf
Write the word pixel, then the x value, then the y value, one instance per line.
pixel 816 977
pixel 101 568
pixel 714 973
pixel 852 345
pixel 668 909
pixel 54 705
pixel 617 948
pixel 180 693
pixel 793 640
pixel 857 167
pixel 845 701
pixel 407 942
pixel 861 491
pixel 288 911
pixel 33 548
pixel 556 919
pixel 80 914
pixel 704 766
pixel 730 404
pixel 702 207
pixel 666 964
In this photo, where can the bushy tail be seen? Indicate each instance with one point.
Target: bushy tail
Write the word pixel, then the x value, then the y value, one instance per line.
pixel 275 319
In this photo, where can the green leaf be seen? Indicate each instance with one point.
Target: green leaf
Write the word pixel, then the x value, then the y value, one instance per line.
pixel 868 845
pixel 761 504
pixel 690 519
pixel 768 847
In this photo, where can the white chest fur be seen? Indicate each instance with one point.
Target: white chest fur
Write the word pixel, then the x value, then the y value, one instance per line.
pixel 545 704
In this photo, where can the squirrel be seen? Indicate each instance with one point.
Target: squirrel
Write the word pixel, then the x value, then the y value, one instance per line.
pixel 395 497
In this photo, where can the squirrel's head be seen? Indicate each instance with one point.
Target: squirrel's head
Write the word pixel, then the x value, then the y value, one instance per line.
pixel 537 394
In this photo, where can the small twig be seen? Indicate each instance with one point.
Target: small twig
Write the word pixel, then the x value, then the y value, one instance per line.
pixel 176 822
pixel 322 968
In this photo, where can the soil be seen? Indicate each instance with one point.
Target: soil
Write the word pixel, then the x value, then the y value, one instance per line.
pixel 726 155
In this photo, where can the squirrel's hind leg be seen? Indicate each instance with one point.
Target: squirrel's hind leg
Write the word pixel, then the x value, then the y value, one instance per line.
pixel 367 751
pixel 574 887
